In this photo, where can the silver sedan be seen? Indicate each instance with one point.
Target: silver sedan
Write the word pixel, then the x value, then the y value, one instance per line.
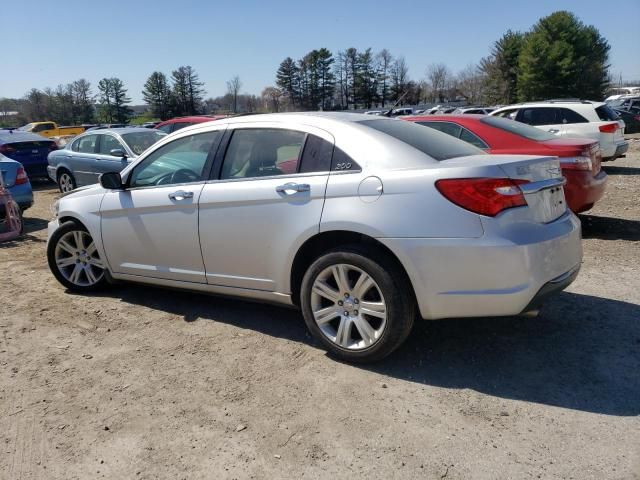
pixel 359 221
pixel 84 158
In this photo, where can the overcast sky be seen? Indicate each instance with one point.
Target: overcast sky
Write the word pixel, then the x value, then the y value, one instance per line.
pixel 48 43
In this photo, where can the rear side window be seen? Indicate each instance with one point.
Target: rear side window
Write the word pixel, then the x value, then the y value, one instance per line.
pixel 539 116
pixel 445 127
pixel 262 152
pixel 511 113
pixel 178 126
pixel 437 145
pixel 569 116
pixel 316 156
pixel 87 144
pixel 472 138
pixel 166 128
pixel 108 143
pixel 606 113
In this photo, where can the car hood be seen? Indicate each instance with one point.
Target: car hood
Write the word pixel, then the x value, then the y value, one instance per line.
pixel 85 191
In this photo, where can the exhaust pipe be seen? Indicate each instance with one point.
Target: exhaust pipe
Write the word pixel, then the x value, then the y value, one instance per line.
pixel 530 313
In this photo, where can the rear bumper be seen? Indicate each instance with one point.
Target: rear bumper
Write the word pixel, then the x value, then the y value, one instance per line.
pixel 22 195
pixel 583 189
pixel 621 149
pixel 491 275
pixel 553 286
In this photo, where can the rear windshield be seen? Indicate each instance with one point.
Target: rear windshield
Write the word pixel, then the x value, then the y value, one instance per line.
pixel 606 113
pixel 518 128
pixel 139 141
pixel 437 145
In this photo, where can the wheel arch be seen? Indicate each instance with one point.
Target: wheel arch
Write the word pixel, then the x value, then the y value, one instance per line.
pixel 322 242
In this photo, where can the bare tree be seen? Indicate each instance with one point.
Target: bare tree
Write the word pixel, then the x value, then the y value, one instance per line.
pixel 471 82
pixel 271 97
pixel 438 75
pixel 233 88
pixel 399 78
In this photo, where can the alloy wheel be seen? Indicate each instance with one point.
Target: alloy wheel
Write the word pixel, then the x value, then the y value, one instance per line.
pixel 65 182
pixel 348 307
pixel 77 259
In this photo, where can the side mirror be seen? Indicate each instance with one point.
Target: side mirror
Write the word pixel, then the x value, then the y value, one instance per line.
pixel 118 152
pixel 111 181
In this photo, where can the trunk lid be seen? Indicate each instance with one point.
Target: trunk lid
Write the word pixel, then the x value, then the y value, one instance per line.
pixel 28 153
pixel 9 170
pixel 543 191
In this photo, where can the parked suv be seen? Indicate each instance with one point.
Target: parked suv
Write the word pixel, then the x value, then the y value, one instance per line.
pixel 568 118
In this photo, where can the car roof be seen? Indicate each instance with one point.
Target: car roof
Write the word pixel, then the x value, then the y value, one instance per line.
pixel 6 136
pixel 119 130
pixel 192 118
pixel 555 103
pixel 447 117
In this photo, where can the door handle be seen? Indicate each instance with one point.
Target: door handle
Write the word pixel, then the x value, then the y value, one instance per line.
pixel 553 130
pixel 291 188
pixel 180 195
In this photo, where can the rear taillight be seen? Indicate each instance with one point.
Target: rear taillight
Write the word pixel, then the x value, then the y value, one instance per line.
pixel 486 196
pixel 6 149
pixel 21 177
pixel 576 163
pixel 609 127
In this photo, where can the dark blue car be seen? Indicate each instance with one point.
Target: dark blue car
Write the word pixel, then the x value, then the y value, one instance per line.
pixel 30 149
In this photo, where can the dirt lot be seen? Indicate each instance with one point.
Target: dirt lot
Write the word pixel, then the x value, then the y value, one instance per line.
pixel 147 383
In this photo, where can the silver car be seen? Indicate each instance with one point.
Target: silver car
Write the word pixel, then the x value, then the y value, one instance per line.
pixel 83 159
pixel 360 221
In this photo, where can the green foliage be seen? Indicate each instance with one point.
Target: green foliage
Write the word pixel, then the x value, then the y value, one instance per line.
pixel 501 68
pixel 562 58
pixel 157 94
pixel 113 100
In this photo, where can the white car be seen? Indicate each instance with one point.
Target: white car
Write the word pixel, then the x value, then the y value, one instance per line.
pixel 360 221
pixel 620 92
pixel 567 118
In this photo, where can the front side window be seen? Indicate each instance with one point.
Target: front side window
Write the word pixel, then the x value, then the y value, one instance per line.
pixel 108 143
pixel 87 144
pixel 180 161
pixel 262 152
pixel 168 128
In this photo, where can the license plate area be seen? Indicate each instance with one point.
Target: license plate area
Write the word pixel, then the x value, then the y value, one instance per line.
pixel 547 204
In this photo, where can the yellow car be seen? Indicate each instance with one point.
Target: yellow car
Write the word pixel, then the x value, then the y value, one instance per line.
pixel 51 129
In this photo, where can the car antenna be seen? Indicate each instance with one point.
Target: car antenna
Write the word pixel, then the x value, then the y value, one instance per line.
pixel 388 114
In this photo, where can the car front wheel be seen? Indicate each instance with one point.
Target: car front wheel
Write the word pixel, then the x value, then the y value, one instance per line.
pixel 361 309
pixel 74 259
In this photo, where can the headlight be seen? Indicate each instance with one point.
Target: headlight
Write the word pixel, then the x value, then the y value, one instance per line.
pixel 55 208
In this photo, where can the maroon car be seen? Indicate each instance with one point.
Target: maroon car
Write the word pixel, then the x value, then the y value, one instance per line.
pixel 580 158
pixel 169 126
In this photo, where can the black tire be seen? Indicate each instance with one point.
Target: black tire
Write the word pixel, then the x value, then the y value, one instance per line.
pixel 62 230
pixel 394 287
pixel 62 174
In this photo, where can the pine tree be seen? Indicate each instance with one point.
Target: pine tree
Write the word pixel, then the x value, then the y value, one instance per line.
pixel 288 79
pixel 501 68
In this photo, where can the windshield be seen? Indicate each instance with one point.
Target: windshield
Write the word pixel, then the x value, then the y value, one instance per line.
pixel 518 128
pixel 138 142
pixel 437 145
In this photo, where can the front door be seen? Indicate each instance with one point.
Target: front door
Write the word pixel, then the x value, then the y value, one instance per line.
pixel 267 199
pixel 150 229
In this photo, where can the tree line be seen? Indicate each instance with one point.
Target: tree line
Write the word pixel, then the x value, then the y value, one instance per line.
pixel 559 57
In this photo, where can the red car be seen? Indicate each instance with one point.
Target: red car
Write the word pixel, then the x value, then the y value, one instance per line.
pixel 177 123
pixel 579 157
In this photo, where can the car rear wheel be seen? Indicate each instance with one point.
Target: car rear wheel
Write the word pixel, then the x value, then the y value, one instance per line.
pixel 66 182
pixel 361 309
pixel 74 259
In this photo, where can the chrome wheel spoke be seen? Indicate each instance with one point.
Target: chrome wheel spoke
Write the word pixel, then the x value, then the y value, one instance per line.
pixel 341 278
pixel 326 314
pixel 91 249
pixel 65 262
pixel 64 245
pixel 88 271
pixel 77 237
pixel 75 274
pixel 343 334
pixel 375 309
pixel 362 286
pixel 95 262
pixel 365 330
pixel 324 290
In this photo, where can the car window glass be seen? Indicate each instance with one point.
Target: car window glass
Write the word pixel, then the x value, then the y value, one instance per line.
pixel 445 127
pixel 87 144
pixel 316 156
pixel 108 143
pixel 166 128
pixel 138 142
pixel 262 152
pixel 179 125
pixel 569 116
pixel 75 145
pixel 472 138
pixel 180 161
pixel 606 113
pixel 508 113
pixel 540 116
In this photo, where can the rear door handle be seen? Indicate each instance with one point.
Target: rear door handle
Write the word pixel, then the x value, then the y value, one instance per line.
pixel 180 195
pixel 291 188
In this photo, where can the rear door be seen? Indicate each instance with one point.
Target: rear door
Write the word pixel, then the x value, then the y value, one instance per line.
pixel 82 158
pixel 105 162
pixel 545 118
pixel 265 201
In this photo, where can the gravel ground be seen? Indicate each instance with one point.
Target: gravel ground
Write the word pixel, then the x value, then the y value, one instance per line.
pixel 147 383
